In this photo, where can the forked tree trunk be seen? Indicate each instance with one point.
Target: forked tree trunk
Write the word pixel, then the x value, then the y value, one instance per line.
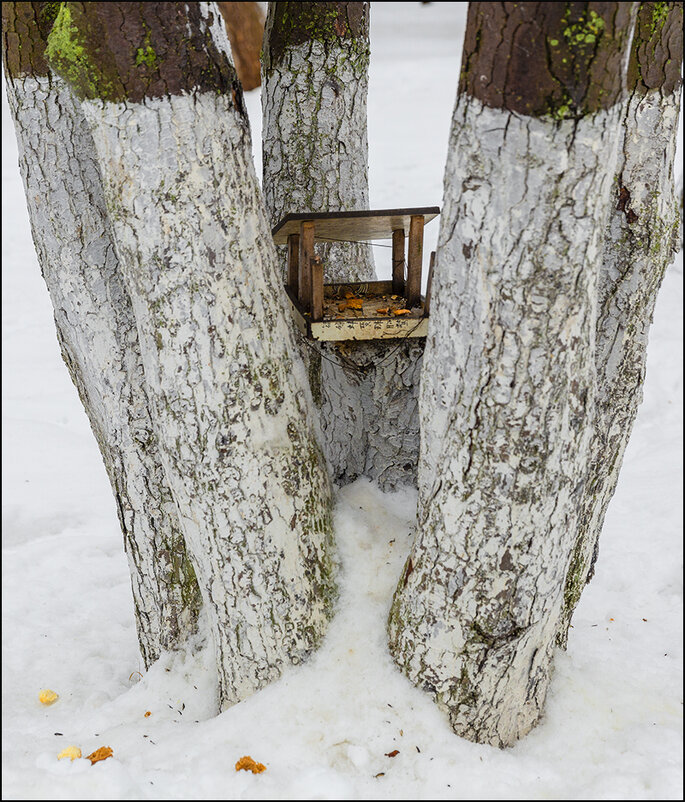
pixel 95 325
pixel 507 394
pixel 315 84
pixel 232 409
pixel 641 239
pixel 245 28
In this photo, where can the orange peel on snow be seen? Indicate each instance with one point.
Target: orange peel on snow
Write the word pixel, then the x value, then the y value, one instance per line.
pixel 247 764
pixel 100 754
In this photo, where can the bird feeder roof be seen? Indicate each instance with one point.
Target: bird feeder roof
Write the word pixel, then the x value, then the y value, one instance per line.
pixel 362 226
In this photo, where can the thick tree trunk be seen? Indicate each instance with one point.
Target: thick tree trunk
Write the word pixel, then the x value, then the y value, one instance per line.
pixel 245 28
pixel 315 76
pixel 95 325
pixel 315 84
pixel 641 239
pixel 232 409
pixel 507 392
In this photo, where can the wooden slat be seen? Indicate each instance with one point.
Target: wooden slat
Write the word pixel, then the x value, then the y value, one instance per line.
pixel 363 287
pixel 398 261
pixel 305 264
pixel 293 262
pixel 415 257
pixel 317 289
pixel 429 285
pixel 361 226
pixel 339 330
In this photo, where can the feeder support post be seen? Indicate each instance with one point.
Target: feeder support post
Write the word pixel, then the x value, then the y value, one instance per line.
pixel 398 261
pixel 305 264
pixel 293 263
pixel 317 289
pixel 413 289
pixel 429 285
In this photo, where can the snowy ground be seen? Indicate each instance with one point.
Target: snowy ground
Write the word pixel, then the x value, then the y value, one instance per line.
pixel 612 728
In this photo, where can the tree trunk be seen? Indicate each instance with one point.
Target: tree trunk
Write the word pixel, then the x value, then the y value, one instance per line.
pixel 315 147
pixel 507 394
pixel 232 411
pixel 368 394
pixel 245 29
pixel 641 239
pixel 95 325
pixel 315 84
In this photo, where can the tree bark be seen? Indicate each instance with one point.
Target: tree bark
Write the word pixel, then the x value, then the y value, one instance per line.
pixel 315 76
pixel 641 238
pixel 95 326
pixel 315 85
pixel 245 29
pixel 508 384
pixel 232 410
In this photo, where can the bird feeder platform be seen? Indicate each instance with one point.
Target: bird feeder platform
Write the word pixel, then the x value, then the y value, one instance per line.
pixel 359 310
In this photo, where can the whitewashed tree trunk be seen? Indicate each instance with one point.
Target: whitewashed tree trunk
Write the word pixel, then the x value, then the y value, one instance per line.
pixel 96 328
pixel 315 155
pixel 508 384
pixel 232 410
pixel 315 82
pixel 641 238
pixel 368 396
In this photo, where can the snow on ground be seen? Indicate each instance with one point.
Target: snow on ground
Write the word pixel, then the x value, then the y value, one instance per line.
pixel 612 727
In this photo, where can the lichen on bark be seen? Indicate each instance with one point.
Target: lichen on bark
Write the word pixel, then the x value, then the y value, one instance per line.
pixel 507 388
pixel 641 238
pixel 95 326
pixel 232 413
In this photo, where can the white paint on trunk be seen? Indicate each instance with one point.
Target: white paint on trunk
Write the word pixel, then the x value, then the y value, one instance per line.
pixel 506 405
pixel 316 159
pixel 232 409
pixel 99 344
pixel 369 394
pixel 315 145
pixel 636 254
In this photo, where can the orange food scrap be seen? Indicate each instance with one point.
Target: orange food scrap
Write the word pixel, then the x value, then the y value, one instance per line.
pixel 247 764
pixel 355 303
pixel 148 714
pixel 100 754
pixel 47 697
pixel 349 294
pixel 342 307
pixel 394 753
pixel 72 752
pixel 383 311
pixel 401 311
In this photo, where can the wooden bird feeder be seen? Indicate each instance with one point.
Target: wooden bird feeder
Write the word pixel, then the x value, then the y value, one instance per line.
pixel 360 310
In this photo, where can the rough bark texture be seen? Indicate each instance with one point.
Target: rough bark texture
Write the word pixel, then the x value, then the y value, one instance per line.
pixel 367 394
pixel 95 326
pixel 315 147
pixel 641 239
pixel 561 59
pixel 245 29
pixel 507 399
pixel 315 84
pixel 232 409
